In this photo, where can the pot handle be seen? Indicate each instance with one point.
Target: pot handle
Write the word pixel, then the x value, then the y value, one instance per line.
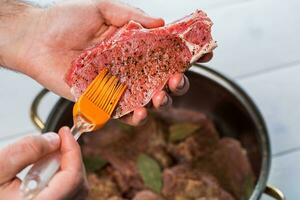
pixel 36 120
pixel 274 192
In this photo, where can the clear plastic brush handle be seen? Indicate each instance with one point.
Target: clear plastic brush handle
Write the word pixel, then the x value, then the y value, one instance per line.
pixel 41 172
pixel 39 176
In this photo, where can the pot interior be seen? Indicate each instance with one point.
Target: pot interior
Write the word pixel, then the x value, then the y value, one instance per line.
pixel 232 111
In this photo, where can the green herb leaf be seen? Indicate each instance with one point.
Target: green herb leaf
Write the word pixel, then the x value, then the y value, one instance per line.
pixel 181 131
pixel 247 187
pixel 93 163
pixel 124 127
pixel 150 171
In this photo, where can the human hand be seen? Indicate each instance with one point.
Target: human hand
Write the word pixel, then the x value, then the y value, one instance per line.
pixel 58 34
pixel 28 151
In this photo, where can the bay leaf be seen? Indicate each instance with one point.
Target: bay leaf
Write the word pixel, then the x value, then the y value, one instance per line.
pixel 248 187
pixel 180 131
pixel 150 172
pixel 124 127
pixel 93 163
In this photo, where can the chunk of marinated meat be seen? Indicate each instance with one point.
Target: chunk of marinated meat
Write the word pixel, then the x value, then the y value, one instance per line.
pixel 249 142
pixel 143 59
pixel 116 198
pixel 211 167
pixel 121 145
pixel 196 145
pixel 175 115
pixel 147 195
pixel 185 183
pixel 102 188
pixel 229 163
pixel 129 184
pixel 161 155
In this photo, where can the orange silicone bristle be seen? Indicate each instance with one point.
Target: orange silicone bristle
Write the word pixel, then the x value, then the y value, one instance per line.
pixel 105 91
pixel 99 100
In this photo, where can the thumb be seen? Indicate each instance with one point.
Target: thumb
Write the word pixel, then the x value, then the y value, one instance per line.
pixel 25 152
pixel 71 171
pixel 118 14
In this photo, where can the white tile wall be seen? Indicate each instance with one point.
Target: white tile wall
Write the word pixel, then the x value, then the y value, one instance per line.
pixel 17 93
pixel 277 95
pixel 256 36
pixel 285 175
pixel 253 35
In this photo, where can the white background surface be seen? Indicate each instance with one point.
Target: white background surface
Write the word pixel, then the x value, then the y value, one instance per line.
pixel 258 47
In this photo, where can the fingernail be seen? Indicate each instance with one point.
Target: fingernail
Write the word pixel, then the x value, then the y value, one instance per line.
pixel 143 121
pixel 181 84
pixel 65 129
pixel 165 101
pixel 51 137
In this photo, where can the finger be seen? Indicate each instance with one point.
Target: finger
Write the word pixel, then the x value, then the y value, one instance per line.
pixel 178 84
pixel 71 173
pixel 161 100
pixel 118 14
pixel 70 151
pixel 25 152
pixel 11 189
pixel 104 32
pixel 206 57
pixel 136 118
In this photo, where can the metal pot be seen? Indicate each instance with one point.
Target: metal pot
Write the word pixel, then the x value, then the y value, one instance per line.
pixel 232 110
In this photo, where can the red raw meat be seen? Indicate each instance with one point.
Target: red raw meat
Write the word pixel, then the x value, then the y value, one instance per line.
pixel 143 58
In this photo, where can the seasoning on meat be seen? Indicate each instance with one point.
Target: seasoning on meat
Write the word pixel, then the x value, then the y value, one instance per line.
pixel 143 58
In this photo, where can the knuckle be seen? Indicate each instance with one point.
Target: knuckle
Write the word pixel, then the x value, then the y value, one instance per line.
pixel 31 144
pixel 13 150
